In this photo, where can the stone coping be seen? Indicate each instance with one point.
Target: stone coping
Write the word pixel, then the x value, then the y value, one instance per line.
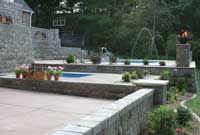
pixel 95 122
pixel 151 82
pixel 62 62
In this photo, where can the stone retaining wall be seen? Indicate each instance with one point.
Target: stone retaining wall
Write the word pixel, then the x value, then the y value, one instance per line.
pixel 15 46
pixel 97 90
pixel 47 45
pixel 190 72
pixel 126 116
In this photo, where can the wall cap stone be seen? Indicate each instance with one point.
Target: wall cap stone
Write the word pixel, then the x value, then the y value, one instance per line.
pixel 151 82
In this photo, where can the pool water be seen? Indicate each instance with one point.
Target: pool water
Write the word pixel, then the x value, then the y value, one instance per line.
pixel 75 75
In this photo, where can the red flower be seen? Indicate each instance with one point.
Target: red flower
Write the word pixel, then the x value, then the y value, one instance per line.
pixel 179 131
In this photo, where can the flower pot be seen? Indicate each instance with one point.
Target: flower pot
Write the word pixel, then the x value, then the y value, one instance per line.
pixel 56 77
pixel 39 75
pixel 18 75
pixel 24 75
pixel 29 75
pixel 49 77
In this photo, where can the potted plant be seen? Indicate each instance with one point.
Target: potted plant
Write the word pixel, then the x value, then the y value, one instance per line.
pixel 24 68
pixel 127 62
pixel 95 59
pixel 18 72
pixel 145 62
pixel 49 72
pixel 57 72
pixel 112 59
pixel 162 63
pixel 71 59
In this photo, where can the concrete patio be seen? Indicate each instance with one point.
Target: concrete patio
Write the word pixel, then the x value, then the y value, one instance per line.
pixel 32 113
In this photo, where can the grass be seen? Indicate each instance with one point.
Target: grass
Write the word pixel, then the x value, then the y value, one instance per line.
pixel 195 103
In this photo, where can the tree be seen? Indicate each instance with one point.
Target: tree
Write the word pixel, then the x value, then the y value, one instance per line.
pixel 45 11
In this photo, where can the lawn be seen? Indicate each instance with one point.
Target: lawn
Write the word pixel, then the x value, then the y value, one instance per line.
pixel 195 103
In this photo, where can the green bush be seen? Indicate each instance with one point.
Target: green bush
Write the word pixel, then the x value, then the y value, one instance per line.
pixel 71 59
pixel 140 74
pixel 171 97
pixel 95 59
pixel 162 63
pixel 126 77
pixel 127 62
pixel 162 121
pixel 145 62
pixel 166 75
pixel 134 75
pixel 183 116
pixel 172 94
pixel 146 72
pixel 181 84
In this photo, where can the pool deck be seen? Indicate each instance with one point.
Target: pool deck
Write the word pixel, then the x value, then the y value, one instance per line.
pixel 34 113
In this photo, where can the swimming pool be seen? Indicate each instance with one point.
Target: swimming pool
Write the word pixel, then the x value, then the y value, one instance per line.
pixel 75 75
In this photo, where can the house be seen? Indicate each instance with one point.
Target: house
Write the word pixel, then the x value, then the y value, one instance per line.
pixel 68 35
pixel 15 11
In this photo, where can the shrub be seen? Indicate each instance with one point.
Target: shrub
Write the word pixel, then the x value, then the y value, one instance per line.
pixel 166 75
pixel 171 97
pixel 126 77
pixel 71 59
pixel 140 74
pixel 162 63
pixel 172 94
pixel 162 121
pixel 95 59
pixel 146 72
pixel 181 84
pixel 183 116
pixel 127 62
pixel 145 62
pixel 134 75
pixel 112 59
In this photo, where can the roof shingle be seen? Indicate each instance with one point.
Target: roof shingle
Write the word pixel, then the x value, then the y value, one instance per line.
pixel 25 5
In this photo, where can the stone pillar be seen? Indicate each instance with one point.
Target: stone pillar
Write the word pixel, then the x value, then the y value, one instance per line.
pixel 183 55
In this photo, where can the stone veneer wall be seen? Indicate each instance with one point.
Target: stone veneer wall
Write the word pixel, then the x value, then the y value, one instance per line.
pixel 13 10
pixel 183 55
pixel 47 45
pixel 97 90
pixel 190 72
pixel 15 46
pixel 126 116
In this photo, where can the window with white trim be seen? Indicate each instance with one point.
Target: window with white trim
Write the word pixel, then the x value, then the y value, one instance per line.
pixel 57 23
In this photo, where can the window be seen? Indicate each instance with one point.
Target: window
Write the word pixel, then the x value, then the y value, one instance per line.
pixel 58 23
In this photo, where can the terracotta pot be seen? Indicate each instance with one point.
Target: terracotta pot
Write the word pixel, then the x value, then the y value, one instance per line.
pixel 56 77
pixel 24 75
pixel 39 75
pixel 1 18
pixel 18 75
pixel 29 75
pixel 49 77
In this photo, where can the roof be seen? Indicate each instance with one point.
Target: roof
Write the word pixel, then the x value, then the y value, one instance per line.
pixel 25 5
